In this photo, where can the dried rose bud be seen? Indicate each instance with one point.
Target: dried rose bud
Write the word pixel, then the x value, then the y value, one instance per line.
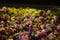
pixel 57 18
pixel 1 17
pixel 50 36
pixel 9 30
pixel 42 12
pixel 9 22
pixel 21 26
pixel 2 22
pixel 18 20
pixel 53 27
pixel 16 26
pixel 41 17
pixel 30 27
pixel 5 9
pixel 58 28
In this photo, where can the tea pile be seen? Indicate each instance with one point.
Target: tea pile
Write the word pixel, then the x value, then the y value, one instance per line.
pixel 28 24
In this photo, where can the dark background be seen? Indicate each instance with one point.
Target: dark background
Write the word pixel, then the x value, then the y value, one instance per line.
pixel 41 2
pixel 31 3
